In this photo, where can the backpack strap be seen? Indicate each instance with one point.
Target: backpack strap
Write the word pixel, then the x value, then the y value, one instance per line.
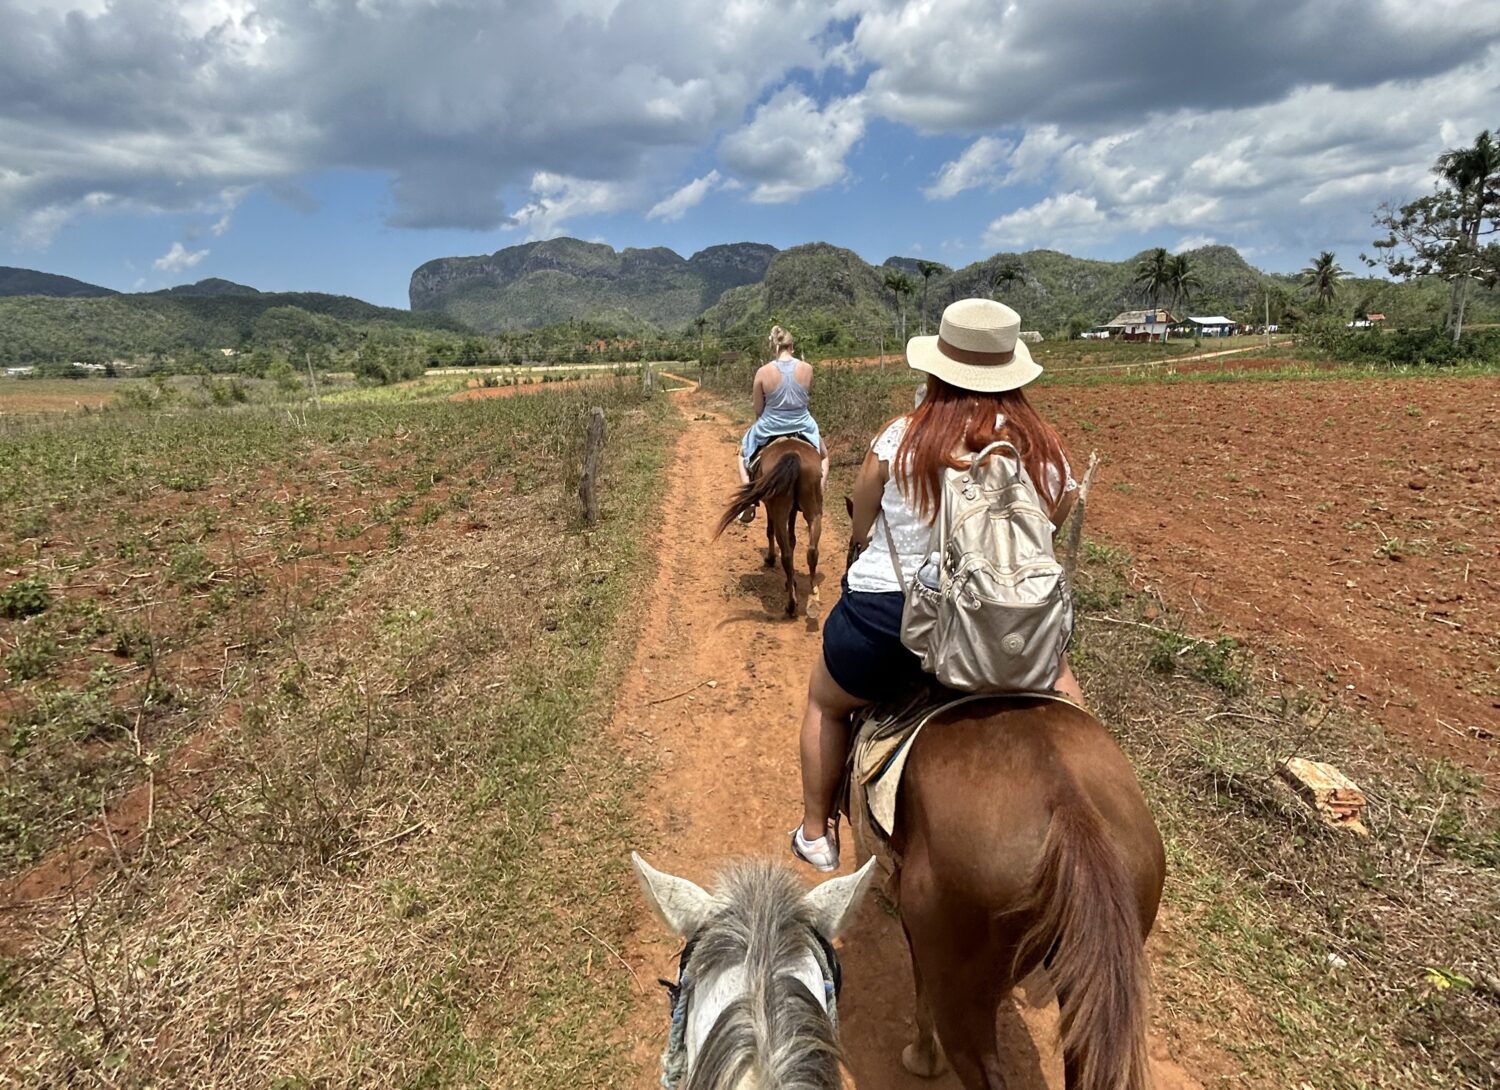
pixel 890 546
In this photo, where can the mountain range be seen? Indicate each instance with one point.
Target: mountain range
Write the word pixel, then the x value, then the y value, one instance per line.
pixel 58 319
pixel 742 287
pixel 562 279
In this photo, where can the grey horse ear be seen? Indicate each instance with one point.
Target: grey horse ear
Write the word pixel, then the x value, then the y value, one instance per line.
pixel 682 905
pixel 834 902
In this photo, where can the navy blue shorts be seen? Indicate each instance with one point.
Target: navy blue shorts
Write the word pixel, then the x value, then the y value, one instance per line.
pixel 862 647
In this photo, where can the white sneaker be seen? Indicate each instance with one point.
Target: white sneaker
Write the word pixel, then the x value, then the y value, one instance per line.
pixel 822 854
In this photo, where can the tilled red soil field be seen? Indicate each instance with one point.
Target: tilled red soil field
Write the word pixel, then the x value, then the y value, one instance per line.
pixel 1347 528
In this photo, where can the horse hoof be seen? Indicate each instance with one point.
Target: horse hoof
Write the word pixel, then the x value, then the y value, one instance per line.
pixel 770 560
pixel 791 609
pixel 923 1063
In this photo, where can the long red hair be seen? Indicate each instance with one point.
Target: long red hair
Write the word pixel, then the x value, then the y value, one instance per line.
pixel 951 421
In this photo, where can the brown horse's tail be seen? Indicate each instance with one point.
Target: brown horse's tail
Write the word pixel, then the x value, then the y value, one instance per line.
pixel 781 478
pixel 1088 928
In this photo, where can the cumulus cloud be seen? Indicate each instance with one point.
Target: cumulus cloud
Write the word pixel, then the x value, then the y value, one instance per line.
pixel 677 205
pixel 179 258
pixel 977 166
pixel 976 64
pixel 793 146
pixel 557 198
pixel 1303 170
pixel 162 106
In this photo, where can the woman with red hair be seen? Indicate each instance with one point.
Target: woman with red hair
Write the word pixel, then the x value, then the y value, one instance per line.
pixel 975 367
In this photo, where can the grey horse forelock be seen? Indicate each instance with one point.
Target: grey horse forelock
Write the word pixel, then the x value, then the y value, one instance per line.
pixel 777 1035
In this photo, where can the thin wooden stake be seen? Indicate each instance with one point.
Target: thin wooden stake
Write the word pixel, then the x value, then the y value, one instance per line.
pixel 588 484
pixel 1072 533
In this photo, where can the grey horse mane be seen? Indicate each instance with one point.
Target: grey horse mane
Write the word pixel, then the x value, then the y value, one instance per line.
pixel 776 1036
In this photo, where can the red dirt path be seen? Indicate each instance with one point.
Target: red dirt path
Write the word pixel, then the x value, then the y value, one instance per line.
pixel 1349 527
pixel 727 781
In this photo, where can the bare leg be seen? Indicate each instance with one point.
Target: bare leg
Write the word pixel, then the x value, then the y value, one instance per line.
pixel 824 482
pixel 1067 684
pixel 825 747
pixel 748 515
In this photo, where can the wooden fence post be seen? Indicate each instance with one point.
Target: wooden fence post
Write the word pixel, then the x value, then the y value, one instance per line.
pixel 588 484
pixel 1071 535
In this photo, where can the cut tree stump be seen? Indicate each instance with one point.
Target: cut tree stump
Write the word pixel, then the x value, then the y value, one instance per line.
pixel 588 483
pixel 1337 799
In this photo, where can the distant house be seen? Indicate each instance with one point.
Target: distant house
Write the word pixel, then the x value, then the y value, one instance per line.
pixel 18 372
pixel 1031 336
pixel 1369 321
pixel 227 351
pixel 1214 325
pixel 1139 325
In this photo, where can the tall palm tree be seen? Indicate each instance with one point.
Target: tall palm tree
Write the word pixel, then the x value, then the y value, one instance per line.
pixel 901 286
pixel 1182 281
pixel 1321 279
pixel 1004 277
pixel 1152 275
pixel 1474 174
pixel 927 269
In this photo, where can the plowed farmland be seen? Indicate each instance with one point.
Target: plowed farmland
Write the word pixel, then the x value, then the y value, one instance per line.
pixel 1348 528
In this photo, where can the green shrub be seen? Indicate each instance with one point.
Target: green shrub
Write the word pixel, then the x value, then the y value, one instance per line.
pixel 25 598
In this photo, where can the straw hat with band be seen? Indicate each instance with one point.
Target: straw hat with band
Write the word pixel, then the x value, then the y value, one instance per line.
pixel 978 347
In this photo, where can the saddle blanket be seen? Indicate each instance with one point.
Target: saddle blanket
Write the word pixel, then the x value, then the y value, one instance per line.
pixel 882 742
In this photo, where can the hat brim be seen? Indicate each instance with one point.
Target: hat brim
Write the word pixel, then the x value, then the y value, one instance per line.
pixel 923 354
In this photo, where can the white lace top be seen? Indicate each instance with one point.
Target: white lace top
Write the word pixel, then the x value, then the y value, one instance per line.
pixel 873 572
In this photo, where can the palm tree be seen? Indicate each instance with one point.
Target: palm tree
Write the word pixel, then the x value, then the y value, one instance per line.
pixel 927 269
pixel 1151 274
pixel 901 286
pixel 1182 281
pixel 1474 174
pixel 1321 279
pixel 1003 278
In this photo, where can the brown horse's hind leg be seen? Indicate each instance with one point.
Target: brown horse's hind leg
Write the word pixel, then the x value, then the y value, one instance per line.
pixel 770 541
pixel 788 561
pixel 814 534
pixel 924 1056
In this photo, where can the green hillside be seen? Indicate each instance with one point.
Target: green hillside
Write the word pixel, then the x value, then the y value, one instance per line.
pixel 820 292
pixel 15 281
pixel 545 283
pixel 35 329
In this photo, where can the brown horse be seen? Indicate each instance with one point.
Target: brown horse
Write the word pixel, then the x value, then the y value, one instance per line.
pixel 787 478
pixel 1024 841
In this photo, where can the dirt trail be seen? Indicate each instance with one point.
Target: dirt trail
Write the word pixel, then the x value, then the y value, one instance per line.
pixel 714 693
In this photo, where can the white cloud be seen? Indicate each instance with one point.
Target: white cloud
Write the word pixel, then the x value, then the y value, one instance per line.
pixel 179 258
pixel 557 198
pixel 677 205
pixel 1194 242
pixel 1300 172
pixel 977 166
pixel 792 146
pixel 163 106
pixel 1054 220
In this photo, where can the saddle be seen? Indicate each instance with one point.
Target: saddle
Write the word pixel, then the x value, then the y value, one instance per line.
pixel 883 737
pixel 753 465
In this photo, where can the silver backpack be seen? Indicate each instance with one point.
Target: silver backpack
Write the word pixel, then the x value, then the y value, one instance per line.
pixel 989 610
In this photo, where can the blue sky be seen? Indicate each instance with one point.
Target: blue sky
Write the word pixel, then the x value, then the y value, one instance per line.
pixel 336 146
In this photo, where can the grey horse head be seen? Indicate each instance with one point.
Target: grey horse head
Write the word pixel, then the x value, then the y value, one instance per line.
pixel 755 1008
